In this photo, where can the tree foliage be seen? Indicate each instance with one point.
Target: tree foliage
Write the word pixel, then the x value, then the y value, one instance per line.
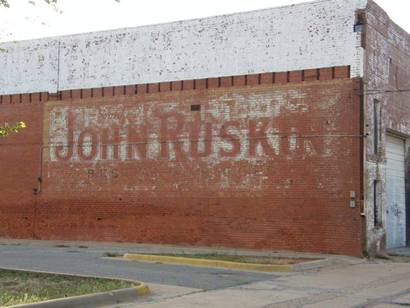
pixel 6 3
pixel 6 129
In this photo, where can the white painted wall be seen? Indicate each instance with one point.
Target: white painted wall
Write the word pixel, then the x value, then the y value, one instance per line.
pixel 29 66
pixel 303 36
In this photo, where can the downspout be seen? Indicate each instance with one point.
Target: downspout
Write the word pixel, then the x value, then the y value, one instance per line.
pixel 38 190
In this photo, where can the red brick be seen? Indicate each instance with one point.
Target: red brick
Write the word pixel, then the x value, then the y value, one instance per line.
pixel 6 99
pixel 53 96
pixel 188 85
pixel 142 88
pixel 35 97
pixel 281 78
pixel 239 81
pixel 252 80
pixel 165 87
pixel 311 75
pixel 201 84
pixel 130 89
pixel 176 85
pixel 118 90
pixel 270 205
pixel 98 92
pixel 65 95
pixel 87 93
pixel 341 72
pixel 76 94
pixel 15 99
pixel 226 81
pixel 108 91
pixel 153 87
pixel 325 74
pixel 295 76
pixel 267 78
pixel 213 83
pixel 25 98
pixel 44 96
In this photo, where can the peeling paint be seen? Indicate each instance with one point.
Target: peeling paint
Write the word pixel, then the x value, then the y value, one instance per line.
pixel 321 35
pixel 387 67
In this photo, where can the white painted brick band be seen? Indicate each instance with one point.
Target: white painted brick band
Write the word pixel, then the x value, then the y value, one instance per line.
pixel 310 35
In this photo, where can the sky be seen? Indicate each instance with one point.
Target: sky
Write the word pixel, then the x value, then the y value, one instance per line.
pixel 25 20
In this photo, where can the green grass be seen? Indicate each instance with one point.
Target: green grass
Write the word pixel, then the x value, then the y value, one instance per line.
pixel 19 287
pixel 225 257
pixel 113 254
pixel 241 259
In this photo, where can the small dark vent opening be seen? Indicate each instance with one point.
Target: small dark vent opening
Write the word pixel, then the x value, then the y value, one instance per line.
pixel 195 107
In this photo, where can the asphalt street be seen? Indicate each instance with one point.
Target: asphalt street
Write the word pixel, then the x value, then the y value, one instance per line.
pixel 91 261
pixel 350 282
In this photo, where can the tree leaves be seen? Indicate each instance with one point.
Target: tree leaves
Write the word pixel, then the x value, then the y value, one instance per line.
pixel 8 128
pixel 6 3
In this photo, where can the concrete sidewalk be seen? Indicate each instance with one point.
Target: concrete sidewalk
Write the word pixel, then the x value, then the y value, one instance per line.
pixel 361 285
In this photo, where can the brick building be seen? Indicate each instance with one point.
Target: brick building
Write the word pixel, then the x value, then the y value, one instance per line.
pixel 284 128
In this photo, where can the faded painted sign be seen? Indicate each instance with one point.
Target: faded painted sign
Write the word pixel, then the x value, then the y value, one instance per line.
pixel 232 128
pixel 227 140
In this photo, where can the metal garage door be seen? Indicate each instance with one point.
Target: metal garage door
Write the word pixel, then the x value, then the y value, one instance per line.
pixel 395 212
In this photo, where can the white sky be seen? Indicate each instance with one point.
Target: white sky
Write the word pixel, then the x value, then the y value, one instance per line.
pixel 27 21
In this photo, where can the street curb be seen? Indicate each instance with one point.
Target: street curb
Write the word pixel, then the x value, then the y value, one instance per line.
pixel 93 300
pixel 90 300
pixel 226 264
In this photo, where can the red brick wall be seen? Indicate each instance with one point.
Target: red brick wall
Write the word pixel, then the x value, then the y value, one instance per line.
pixel 19 164
pixel 268 162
